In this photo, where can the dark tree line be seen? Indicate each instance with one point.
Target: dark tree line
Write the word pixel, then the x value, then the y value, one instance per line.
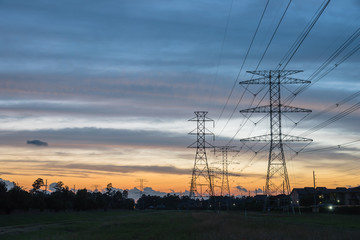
pixel 61 199
pixel 186 203
pixel 169 201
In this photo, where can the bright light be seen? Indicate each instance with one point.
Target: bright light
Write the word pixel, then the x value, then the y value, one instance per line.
pixel 330 207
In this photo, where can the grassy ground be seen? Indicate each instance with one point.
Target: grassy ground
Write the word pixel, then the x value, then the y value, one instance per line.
pixel 177 225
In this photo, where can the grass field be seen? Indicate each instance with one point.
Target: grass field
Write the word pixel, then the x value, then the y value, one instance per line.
pixel 177 225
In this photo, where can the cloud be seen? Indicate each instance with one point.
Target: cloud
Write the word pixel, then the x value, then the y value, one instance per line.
pixel 85 168
pixel 9 185
pixel 241 189
pixel 91 136
pixel 135 192
pixel 52 186
pixel 37 143
pixel 259 190
pixel 91 78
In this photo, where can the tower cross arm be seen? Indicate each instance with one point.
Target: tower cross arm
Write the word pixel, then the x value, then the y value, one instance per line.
pixel 268 108
pixel 205 145
pixel 289 80
pixel 267 80
pixel 284 138
pixel 268 73
pixel 262 80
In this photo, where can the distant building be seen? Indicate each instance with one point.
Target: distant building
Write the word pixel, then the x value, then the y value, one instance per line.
pixel 321 195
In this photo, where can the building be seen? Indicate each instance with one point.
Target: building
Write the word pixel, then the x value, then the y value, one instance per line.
pixel 321 195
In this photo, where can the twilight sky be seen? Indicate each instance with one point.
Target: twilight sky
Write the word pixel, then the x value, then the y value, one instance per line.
pixel 110 85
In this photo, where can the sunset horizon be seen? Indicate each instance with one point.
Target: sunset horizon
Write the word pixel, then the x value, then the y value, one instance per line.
pixel 95 93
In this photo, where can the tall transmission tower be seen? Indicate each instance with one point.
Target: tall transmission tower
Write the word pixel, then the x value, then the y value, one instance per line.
pixel 201 181
pixel 141 186
pixel 277 180
pixel 224 150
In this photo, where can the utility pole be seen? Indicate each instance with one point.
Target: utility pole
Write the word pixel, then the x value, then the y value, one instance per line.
pixel 201 176
pixel 314 180
pixel 46 185
pixel 277 179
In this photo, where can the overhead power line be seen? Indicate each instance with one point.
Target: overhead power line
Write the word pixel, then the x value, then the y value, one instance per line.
pixel 332 147
pixel 296 45
pixel 264 53
pixel 332 119
pixel 222 45
pixel 243 63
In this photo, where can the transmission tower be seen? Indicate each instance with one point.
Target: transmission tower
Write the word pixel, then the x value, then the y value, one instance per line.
pixel 201 181
pixel 141 185
pixel 224 150
pixel 277 180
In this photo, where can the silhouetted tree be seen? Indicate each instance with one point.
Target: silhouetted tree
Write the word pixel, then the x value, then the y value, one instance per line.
pixel 125 194
pixel 59 186
pixel 81 199
pixel 109 189
pixel 38 183
pixel 19 198
pixel 4 198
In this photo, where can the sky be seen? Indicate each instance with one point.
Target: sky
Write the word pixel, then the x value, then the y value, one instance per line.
pixel 110 86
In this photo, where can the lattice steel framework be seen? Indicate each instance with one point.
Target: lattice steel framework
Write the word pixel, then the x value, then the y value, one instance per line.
pixel 277 180
pixel 224 150
pixel 201 181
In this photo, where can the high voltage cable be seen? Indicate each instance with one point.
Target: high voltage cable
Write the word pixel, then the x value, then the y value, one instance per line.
pixel 331 58
pixel 332 147
pixel 222 44
pixel 326 110
pixel 245 120
pixel 338 104
pixel 338 51
pixel 246 55
pixel 266 49
pixel 332 119
pixel 272 37
pixel 296 45
pixel 290 54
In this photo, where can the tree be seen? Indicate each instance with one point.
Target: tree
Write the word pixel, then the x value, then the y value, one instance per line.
pixel 38 183
pixel 59 186
pixel 3 187
pixel 125 193
pixel 109 189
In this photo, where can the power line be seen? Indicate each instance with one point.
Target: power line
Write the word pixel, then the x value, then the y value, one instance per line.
pixel 222 45
pixel 243 63
pixel 272 37
pixel 264 53
pixel 332 147
pixel 336 105
pixel 333 119
pixel 296 45
pixel 314 76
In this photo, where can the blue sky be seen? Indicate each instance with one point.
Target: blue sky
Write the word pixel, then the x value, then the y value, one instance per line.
pixel 120 79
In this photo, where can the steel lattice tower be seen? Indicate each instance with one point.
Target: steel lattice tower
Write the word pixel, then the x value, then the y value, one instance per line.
pixel 277 180
pixel 224 150
pixel 201 176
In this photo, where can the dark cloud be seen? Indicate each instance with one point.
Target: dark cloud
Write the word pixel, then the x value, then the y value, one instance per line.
pixel 90 137
pixel 241 189
pixel 123 169
pixel 78 168
pixel 37 143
